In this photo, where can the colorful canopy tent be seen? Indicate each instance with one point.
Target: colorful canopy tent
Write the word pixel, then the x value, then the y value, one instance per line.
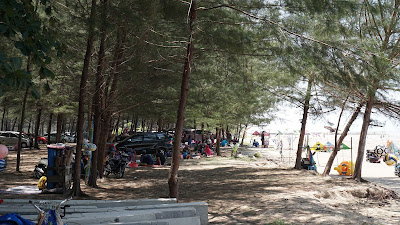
pixel 392 148
pixel 329 146
pixel 344 147
pixel 256 133
pixel 317 147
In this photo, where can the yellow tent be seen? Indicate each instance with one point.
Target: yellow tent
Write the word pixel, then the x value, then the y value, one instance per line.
pixel 318 147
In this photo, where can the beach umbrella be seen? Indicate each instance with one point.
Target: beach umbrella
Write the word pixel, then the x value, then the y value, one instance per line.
pixel 329 146
pixel 317 147
pixel 344 146
pixel 256 133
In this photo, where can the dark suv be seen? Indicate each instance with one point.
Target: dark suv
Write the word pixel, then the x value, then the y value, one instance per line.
pixel 148 142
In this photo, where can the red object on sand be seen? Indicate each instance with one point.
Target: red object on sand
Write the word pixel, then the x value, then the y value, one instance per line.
pixel 208 150
pixel 256 133
pixel 133 165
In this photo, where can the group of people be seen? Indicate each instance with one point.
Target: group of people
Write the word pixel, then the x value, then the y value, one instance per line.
pixel 145 159
pixel 149 160
pixel 264 142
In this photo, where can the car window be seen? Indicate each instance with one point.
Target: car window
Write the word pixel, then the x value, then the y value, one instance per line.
pixel 161 136
pixel 13 135
pixel 149 137
pixel 136 138
pixel 3 135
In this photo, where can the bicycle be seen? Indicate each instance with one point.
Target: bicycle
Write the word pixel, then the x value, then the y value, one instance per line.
pixel 51 216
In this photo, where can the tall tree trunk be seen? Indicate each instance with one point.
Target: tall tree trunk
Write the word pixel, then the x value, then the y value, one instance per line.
pixel 303 125
pixel 29 125
pixel 340 141
pixel 76 189
pixel 143 124
pixel 73 126
pixel 39 115
pixel 42 127
pixel 59 123
pixel 363 135
pixel 219 132
pixel 202 133
pixel 132 123
pixel 63 125
pixel 15 122
pixel 151 125
pixel 117 124
pixel 21 123
pixel 159 124
pixel 244 134
pixel 173 173
pixel 49 127
pixel 108 103
pixel 98 96
pixel 4 114
pixel 136 123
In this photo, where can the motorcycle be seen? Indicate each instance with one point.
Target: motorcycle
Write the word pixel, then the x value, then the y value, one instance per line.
pixel 116 164
pixel 40 168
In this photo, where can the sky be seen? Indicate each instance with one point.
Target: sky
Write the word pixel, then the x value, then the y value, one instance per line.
pixel 288 119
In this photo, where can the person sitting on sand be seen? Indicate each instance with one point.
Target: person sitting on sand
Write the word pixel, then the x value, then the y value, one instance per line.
pixel 186 155
pixel 146 159
pixel 160 158
pixel 255 143
pixel 224 143
pixel 207 150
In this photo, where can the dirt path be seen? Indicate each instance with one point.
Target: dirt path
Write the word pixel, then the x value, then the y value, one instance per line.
pixel 240 191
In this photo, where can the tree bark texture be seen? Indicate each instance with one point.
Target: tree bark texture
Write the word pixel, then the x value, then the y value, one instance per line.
pixel 203 138
pixel 98 96
pixel 173 173
pixel 244 134
pixel 4 114
pixel 76 189
pixel 340 141
pixel 218 148
pixel 29 125
pixel 15 122
pixel 303 125
pixel 59 124
pixel 39 115
pixel 49 127
pixel 21 124
pixel 363 135
pixel 109 97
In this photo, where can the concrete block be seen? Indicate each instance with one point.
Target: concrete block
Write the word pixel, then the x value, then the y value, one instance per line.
pixel 171 221
pixel 127 216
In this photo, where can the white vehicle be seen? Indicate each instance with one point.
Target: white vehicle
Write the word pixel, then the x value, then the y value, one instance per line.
pixel 10 138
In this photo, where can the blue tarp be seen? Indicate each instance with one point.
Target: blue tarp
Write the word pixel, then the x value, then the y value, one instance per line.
pixel 14 219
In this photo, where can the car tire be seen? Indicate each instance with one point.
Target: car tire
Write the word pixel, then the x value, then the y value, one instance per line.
pixel 24 145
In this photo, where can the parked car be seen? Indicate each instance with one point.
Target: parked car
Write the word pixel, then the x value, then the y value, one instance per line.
pixel 147 141
pixel 10 138
pixel 64 138
pixel 67 138
pixel 41 139
pixel 195 134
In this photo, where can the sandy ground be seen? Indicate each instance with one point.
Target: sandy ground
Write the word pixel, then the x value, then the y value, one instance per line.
pixel 241 191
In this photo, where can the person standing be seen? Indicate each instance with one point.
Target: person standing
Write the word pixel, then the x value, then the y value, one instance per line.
pixel 262 139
